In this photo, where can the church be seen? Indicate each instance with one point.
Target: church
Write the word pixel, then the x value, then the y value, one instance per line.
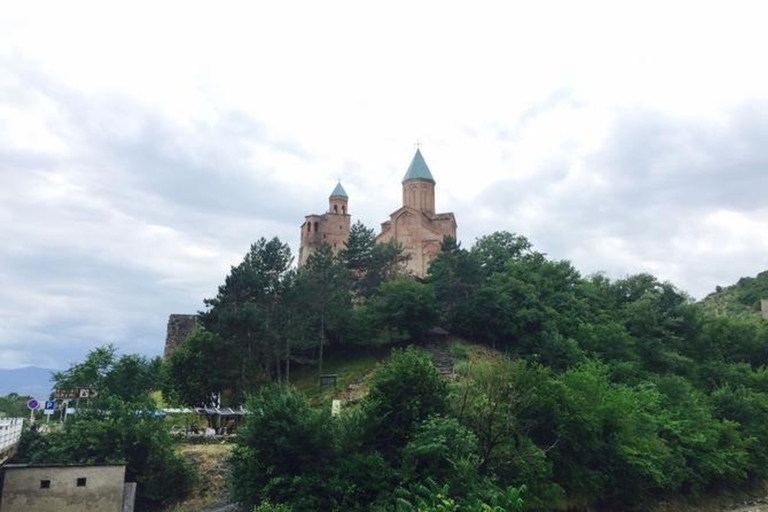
pixel 415 225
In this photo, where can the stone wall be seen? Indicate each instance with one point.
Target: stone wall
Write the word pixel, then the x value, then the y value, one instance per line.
pixel 179 327
pixel 63 488
pixel 764 308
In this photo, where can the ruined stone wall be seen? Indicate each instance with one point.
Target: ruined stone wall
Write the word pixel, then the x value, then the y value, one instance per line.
pixel 179 327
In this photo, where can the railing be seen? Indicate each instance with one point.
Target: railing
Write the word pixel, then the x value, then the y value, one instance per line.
pixel 10 432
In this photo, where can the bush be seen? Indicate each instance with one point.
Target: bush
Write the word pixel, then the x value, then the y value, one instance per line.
pixel 404 391
pixel 286 452
pixel 443 449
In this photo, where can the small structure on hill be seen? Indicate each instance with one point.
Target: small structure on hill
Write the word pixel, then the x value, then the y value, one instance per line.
pixel 32 488
pixel 764 308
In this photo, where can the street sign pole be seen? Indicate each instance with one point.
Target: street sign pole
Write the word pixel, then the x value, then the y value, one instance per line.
pixel 49 409
pixel 32 404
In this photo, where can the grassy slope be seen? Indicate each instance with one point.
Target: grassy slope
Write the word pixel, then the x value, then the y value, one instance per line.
pixel 353 365
pixel 740 299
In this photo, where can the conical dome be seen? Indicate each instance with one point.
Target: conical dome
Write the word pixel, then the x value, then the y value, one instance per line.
pixel 418 169
pixel 339 191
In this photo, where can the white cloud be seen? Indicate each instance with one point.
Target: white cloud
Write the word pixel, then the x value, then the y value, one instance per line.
pixel 143 147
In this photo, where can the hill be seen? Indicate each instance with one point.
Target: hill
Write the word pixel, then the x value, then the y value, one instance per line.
pixel 29 380
pixel 740 299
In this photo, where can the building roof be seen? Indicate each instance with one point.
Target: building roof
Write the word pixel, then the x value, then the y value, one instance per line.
pixel 339 191
pixel 418 169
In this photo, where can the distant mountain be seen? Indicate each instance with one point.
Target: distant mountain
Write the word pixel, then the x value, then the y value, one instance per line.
pixel 29 380
pixel 740 299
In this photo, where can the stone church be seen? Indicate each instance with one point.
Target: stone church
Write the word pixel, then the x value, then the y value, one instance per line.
pixel 415 225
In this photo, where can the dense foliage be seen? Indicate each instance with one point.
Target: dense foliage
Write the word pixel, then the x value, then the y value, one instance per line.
pixel 599 392
pixel 14 405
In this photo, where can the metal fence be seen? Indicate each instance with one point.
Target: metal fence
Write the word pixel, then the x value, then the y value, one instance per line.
pixel 10 432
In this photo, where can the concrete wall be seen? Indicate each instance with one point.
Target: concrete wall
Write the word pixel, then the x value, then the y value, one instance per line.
pixel 102 492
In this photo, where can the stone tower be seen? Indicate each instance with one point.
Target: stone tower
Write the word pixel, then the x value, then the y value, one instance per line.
pixel 179 328
pixel 415 224
pixel 331 227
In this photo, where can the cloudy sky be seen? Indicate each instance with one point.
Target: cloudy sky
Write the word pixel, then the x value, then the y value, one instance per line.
pixel 145 146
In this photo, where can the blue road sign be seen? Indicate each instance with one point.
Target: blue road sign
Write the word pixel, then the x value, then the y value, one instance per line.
pixel 50 405
pixel 33 404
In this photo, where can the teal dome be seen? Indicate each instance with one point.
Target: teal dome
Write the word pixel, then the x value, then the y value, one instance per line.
pixel 418 169
pixel 339 191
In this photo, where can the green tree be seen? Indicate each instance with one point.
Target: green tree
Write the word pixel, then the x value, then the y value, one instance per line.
pixel 371 263
pixel 407 305
pixel 129 377
pixel 323 297
pixel 492 252
pixel 403 392
pixel 247 314
pixel 14 405
pixel 456 275
pixel 444 450
pixel 359 248
pixel 193 376
pixel 534 307
pixel 285 452
pixel 504 402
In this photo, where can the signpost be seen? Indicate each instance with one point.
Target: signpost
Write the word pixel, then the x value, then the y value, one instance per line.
pixel 70 394
pixel 50 405
pixel 32 404
pixel 328 379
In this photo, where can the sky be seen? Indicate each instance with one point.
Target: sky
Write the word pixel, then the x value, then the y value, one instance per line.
pixel 145 145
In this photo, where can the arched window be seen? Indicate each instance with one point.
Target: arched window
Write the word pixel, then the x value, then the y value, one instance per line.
pixel 309 227
pixel 335 208
pixel 315 227
pixel 343 210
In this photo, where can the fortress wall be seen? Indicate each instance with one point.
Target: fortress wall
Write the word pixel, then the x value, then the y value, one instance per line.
pixel 179 327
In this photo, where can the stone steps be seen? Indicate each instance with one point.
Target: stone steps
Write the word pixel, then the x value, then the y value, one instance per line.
pixel 441 358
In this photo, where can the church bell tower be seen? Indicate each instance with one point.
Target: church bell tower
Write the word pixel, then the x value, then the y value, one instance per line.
pixel 419 186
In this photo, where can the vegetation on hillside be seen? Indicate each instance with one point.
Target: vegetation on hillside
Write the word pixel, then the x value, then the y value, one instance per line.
pixel 609 392
pixel 592 393
pixel 740 299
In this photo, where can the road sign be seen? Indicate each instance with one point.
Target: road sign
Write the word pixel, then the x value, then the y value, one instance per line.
pixel 328 379
pixel 33 404
pixel 63 394
pixel 50 405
